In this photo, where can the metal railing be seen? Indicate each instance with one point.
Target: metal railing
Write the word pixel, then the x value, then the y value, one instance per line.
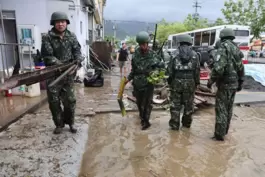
pixel 13 57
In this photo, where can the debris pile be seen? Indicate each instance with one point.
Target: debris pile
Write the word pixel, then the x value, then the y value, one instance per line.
pixel 251 85
pixel 203 97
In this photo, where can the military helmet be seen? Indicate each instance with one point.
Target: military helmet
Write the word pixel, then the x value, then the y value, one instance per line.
pixel 217 44
pixel 142 37
pixel 59 16
pixel 227 32
pixel 185 38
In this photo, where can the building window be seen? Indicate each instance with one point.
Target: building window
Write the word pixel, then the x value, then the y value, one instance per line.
pixel 81 27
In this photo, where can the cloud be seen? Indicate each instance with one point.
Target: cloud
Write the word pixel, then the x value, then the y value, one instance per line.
pixel 155 10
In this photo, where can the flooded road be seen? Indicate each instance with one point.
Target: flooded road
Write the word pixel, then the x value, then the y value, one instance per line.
pixel 117 147
pixel 109 145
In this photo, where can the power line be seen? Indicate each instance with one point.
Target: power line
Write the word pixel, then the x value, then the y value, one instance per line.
pixel 196 6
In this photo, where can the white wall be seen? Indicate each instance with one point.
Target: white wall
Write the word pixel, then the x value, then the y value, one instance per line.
pixel 28 12
pixel 38 12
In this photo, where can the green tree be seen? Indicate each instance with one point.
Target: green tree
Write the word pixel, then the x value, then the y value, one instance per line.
pixel 108 38
pixel 164 29
pixel 246 12
pixel 191 23
pixel 219 21
pixel 131 41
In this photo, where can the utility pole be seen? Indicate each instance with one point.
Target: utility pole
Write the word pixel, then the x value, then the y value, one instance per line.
pixel 114 32
pixel 196 6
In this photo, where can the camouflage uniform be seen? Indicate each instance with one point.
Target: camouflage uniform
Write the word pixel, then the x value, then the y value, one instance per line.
pixel 212 53
pixel 142 65
pixel 228 73
pixel 55 50
pixel 184 76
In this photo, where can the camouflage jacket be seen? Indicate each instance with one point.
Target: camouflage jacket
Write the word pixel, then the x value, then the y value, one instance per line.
pixel 142 65
pixel 65 49
pixel 184 70
pixel 228 69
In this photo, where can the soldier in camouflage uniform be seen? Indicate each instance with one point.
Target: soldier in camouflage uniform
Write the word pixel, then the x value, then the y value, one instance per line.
pixel 144 60
pixel 212 53
pixel 61 46
pixel 184 77
pixel 228 73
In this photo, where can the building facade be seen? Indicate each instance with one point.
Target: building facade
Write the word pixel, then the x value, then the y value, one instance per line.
pixel 24 21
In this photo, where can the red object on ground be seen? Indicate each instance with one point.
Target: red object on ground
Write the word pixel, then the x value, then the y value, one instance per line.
pixel 245 61
pixel 8 93
pixel 204 75
pixel 245 50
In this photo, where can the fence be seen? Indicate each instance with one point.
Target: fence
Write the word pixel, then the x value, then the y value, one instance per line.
pixel 14 58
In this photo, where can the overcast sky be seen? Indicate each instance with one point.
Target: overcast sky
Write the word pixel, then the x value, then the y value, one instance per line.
pixel 155 10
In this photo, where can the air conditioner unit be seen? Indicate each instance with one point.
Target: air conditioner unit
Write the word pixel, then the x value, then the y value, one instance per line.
pixel 87 9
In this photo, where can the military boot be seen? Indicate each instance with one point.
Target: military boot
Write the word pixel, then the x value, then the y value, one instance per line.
pixel 218 137
pixel 146 124
pixel 57 130
pixel 186 121
pixel 174 120
pixel 72 129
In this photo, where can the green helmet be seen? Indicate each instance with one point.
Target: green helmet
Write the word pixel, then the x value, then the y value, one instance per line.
pixel 217 44
pixel 59 16
pixel 185 38
pixel 142 37
pixel 227 32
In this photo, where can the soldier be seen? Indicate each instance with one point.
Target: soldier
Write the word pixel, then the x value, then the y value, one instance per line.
pixel 184 77
pixel 212 53
pixel 228 73
pixel 61 46
pixel 144 61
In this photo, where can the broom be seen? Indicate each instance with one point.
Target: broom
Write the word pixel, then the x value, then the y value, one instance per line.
pixel 120 96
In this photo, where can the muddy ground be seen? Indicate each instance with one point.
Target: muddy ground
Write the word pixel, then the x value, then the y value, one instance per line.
pixel 109 145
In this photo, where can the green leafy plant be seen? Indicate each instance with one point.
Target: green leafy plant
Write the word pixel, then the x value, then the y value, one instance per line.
pixel 156 76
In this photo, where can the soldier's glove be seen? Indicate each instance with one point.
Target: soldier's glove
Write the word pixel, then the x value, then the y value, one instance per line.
pixel 51 60
pixel 209 84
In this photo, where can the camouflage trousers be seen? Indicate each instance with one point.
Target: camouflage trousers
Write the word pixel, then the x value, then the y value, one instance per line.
pixel 144 99
pixel 224 110
pixel 177 99
pixel 62 93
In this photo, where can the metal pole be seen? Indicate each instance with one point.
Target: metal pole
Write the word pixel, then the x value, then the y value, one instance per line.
pixel 21 60
pixel 30 64
pixel 2 56
pixel 4 37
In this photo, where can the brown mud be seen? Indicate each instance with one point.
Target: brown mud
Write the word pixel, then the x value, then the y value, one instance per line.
pixel 109 145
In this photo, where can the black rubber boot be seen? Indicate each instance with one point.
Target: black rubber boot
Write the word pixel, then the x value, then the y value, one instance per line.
pixel 72 129
pixel 174 123
pixel 186 121
pixel 146 124
pixel 218 137
pixel 57 130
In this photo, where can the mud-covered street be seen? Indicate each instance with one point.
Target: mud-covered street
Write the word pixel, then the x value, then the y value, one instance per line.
pixel 109 145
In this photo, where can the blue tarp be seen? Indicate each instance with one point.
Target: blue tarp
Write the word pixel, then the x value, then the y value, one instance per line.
pixel 256 71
